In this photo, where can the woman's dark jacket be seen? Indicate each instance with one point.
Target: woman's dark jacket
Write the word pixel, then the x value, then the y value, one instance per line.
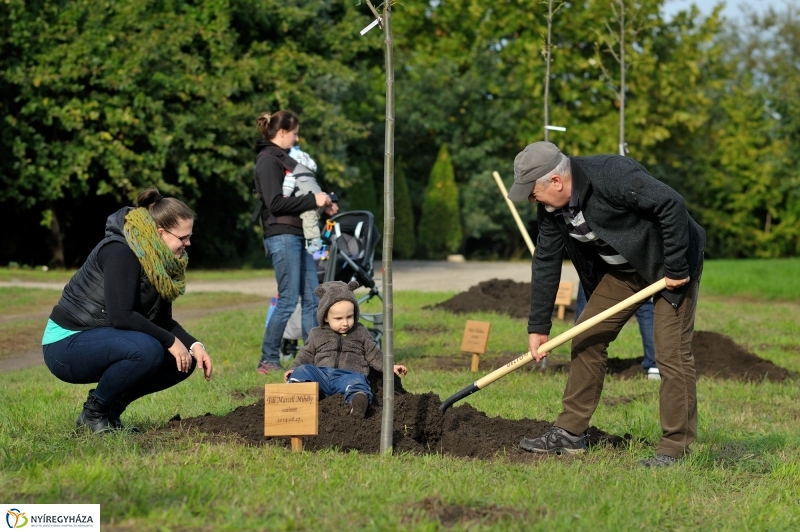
pixel 643 219
pixel 112 290
pixel 279 215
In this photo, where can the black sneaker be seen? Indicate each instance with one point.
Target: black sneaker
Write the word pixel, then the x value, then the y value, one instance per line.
pixel 555 441
pixel 358 405
pixel 660 460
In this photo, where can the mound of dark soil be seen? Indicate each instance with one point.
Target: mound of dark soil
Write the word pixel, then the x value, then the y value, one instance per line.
pixel 503 296
pixel 463 431
pixel 715 355
pixel 419 427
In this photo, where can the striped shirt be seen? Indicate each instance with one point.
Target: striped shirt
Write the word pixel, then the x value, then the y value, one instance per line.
pixel 580 231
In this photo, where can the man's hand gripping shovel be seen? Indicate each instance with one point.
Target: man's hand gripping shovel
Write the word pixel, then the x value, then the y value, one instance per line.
pixel 564 337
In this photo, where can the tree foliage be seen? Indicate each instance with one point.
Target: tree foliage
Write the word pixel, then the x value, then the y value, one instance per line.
pixel 110 98
pixel 99 100
pixel 440 227
pixel 405 242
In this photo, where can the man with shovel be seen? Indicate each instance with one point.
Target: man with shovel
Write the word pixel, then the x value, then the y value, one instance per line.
pixel 623 230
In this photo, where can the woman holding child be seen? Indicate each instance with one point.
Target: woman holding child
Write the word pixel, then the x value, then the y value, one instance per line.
pixel 295 270
pixel 113 324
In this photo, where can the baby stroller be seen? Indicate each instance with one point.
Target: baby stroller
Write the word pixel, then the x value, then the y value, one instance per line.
pixel 350 238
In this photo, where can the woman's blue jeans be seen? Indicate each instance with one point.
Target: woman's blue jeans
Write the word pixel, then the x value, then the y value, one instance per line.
pixel 644 316
pixel 332 381
pixel 126 365
pixel 296 274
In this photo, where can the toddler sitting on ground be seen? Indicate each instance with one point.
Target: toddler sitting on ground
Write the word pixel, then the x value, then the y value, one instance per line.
pixel 340 351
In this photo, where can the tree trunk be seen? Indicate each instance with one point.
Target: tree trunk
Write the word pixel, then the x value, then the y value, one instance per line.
pixel 387 422
pixel 547 71
pixel 56 238
pixel 622 150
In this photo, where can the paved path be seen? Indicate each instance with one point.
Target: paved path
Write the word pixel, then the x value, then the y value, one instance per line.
pixel 425 276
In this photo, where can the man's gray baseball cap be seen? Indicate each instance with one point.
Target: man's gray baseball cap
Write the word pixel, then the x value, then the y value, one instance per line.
pixel 535 161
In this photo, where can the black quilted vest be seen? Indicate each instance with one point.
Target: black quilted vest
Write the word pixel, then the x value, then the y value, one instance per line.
pixel 83 297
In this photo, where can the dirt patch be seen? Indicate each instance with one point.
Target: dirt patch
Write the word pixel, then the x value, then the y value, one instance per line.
pixel 463 431
pixel 449 515
pixel 419 428
pixel 503 296
pixel 17 338
pixel 715 355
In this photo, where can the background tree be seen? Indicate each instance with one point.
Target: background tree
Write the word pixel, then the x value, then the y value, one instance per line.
pixel 440 226
pixel 405 242
pixel 748 194
pixel 97 101
pixel 105 100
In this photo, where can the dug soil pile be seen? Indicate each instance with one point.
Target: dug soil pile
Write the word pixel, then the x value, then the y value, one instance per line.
pixel 463 431
pixel 419 428
pixel 715 355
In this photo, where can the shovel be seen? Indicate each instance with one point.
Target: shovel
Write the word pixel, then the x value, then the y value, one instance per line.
pixel 552 344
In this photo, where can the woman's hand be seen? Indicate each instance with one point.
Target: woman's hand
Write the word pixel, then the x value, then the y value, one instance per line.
pixel 399 370
pixel 182 357
pixel 287 375
pixel 331 209
pixel 325 202
pixel 323 199
pixel 203 360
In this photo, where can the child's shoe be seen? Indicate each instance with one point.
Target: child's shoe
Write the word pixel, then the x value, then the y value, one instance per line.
pixel 313 245
pixel 358 405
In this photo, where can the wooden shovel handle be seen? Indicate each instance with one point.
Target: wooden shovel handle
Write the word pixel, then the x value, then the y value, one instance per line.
pixel 555 342
pixel 575 331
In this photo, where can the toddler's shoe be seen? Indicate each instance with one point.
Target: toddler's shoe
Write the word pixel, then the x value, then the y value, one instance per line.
pixel 313 245
pixel 358 405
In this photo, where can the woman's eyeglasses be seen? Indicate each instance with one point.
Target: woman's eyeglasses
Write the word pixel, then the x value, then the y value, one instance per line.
pixel 184 239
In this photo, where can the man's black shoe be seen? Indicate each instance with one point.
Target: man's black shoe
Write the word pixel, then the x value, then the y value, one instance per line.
pixel 555 441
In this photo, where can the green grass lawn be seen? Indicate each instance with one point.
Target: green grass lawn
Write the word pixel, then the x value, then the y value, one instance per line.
pixel 744 473
pixel 62 276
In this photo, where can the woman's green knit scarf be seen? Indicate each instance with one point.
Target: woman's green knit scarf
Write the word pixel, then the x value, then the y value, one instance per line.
pixel 165 272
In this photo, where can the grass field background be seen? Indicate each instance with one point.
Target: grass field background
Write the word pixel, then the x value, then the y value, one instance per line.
pixel 744 473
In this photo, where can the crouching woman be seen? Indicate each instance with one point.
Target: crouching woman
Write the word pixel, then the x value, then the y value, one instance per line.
pixel 113 324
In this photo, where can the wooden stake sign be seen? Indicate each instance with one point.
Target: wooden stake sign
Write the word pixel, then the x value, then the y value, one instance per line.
pixel 564 297
pixel 476 336
pixel 292 410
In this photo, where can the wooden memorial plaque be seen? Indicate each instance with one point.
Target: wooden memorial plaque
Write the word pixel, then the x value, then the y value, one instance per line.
pixel 476 336
pixel 564 297
pixel 291 410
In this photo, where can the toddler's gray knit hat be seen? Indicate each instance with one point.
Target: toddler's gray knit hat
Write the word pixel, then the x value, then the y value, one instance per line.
pixel 333 292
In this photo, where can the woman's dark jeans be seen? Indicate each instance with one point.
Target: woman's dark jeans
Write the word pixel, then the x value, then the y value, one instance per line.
pixel 296 274
pixel 126 365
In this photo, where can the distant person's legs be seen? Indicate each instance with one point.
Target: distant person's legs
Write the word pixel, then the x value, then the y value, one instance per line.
pixel 309 302
pixel 644 316
pixel 286 252
pixel 580 302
